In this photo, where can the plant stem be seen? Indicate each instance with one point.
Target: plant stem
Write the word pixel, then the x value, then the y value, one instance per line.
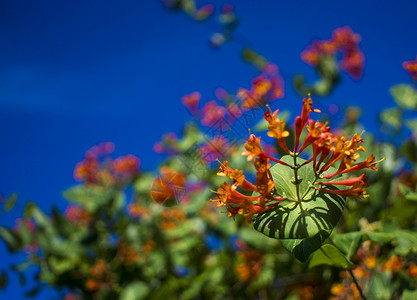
pixel 357 284
pixel 350 272
pixel 296 181
pixel 310 186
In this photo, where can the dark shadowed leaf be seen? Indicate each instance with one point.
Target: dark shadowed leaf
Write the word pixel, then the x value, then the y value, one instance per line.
pixel 32 292
pixel 302 249
pixel 3 280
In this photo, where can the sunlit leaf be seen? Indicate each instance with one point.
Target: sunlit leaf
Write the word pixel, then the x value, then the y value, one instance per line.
pixel 405 96
pixel 316 212
pixel 392 116
pixel 380 286
pixel 91 197
pixel 350 242
pixel 329 255
pixel 409 295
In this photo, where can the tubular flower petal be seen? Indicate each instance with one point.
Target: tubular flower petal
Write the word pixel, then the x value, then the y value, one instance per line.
pixel 253 147
pixel 363 180
pixel 356 191
pixel 276 129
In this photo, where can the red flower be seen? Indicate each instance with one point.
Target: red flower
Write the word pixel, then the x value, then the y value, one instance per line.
pixel 411 68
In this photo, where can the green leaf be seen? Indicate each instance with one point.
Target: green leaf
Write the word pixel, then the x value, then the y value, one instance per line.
pixel 63 226
pixel 11 239
pixel 91 197
pixel 350 242
pixel 253 238
pixel 392 116
pixel 302 249
pixel 329 255
pixel 406 242
pixel 405 96
pixel 412 124
pixel 380 287
pixel 317 211
pixel 409 295
pixel 10 202
pixel 408 194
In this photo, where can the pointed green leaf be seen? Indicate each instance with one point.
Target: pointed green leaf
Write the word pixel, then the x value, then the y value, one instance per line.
pixel 91 197
pixel 392 116
pixel 10 202
pixel 317 211
pixel 11 239
pixel 350 242
pixel 405 96
pixel 302 249
pixel 329 255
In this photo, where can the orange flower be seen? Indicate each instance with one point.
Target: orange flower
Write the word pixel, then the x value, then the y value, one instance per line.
pixel 265 88
pixel 253 147
pixel 213 114
pixel 412 270
pixel 77 215
pixel 393 264
pixel 344 41
pixel 167 184
pixel 191 101
pixel 356 191
pixel 370 261
pixel 276 128
pixel 87 169
pixel 126 165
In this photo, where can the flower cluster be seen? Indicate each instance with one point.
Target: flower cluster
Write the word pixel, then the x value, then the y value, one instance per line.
pixel 97 168
pixel 327 150
pixel 344 41
pixel 264 89
pixel 411 68
pixel 167 185
pixel 249 262
pixel 100 277
pixel 77 215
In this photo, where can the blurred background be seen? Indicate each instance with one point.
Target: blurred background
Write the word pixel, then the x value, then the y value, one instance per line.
pixel 73 74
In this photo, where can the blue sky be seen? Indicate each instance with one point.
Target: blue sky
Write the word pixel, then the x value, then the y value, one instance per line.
pixel 75 73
